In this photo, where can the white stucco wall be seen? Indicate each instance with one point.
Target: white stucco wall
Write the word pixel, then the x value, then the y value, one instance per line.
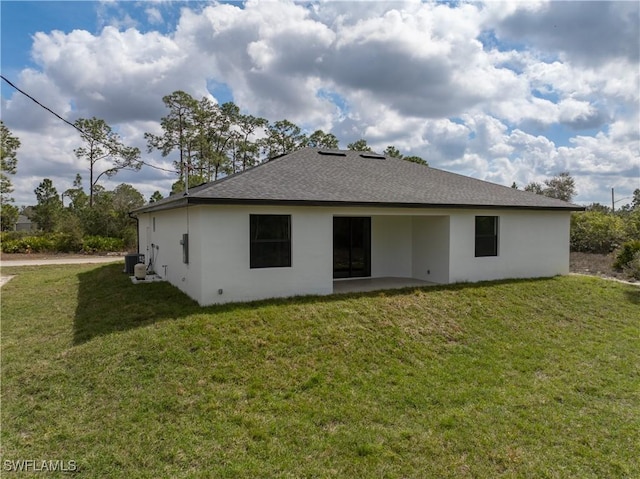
pixel 530 244
pixel 225 258
pixel 391 246
pixel 430 238
pixel 429 244
pixel 169 228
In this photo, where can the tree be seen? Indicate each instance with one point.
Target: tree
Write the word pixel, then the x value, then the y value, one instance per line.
pixel 178 130
pixel 104 145
pixel 247 151
pixel 49 207
pixel 534 187
pixel 100 219
pixel 194 180
pixel 8 216
pixel 416 159
pixel 359 145
pixel 561 186
pixel 283 137
pixel 214 133
pixel 78 199
pixel 156 196
pixel 125 198
pixel 635 201
pixel 599 208
pixel 9 145
pixel 393 152
pixel 320 139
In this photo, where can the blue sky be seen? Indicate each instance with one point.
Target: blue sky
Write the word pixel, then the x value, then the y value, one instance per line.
pixel 499 91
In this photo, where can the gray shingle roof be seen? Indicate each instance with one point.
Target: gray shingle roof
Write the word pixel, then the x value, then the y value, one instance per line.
pixel 342 177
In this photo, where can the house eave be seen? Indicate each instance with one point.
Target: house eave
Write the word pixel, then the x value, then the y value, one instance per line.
pixel 194 200
pixel 169 205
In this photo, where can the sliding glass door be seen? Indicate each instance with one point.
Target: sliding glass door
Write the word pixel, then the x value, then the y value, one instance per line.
pixel 351 247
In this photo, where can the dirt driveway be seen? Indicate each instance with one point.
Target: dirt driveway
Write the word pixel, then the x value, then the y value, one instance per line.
pixel 60 260
pixel 42 259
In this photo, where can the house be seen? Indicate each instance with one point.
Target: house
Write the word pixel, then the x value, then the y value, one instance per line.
pixel 301 222
pixel 24 224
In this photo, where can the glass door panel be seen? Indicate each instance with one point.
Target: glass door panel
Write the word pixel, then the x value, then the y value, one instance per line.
pixel 351 247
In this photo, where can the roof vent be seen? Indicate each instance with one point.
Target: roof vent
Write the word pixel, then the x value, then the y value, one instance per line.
pixel 277 156
pixel 373 155
pixel 331 153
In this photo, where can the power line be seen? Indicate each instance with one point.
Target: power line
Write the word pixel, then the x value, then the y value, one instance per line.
pixel 82 132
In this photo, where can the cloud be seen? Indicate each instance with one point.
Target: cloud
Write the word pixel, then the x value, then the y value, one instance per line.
pixel 471 87
pixel 586 32
pixel 154 16
pixel 121 74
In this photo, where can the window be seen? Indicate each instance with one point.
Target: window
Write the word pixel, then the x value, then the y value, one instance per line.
pixel 486 236
pixel 270 245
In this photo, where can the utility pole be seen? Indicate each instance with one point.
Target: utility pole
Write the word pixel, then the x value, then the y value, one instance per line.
pixel 614 201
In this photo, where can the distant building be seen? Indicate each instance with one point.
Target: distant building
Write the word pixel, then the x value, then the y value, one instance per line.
pixel 24 224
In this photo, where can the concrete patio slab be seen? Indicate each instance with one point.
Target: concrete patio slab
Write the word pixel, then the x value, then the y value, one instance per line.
pixel 375 284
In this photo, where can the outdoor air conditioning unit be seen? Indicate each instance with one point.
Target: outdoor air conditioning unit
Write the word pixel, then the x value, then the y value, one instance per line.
pixel 130 261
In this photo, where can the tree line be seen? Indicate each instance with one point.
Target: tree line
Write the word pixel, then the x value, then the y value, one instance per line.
pixel 207 141
pixel 210 140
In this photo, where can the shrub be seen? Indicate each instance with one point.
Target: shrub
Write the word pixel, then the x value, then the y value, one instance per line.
pixel 596 232
pixel 632 268
pixel 14 235
pixel 93 244
pixel 60 243
pixel 10 246
pixel 627 254
pixel 67 243
pixel 31 244
pixel 130 239
pixel 631 222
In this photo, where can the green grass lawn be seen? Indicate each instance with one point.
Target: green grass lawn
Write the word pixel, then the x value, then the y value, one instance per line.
pixel 535 378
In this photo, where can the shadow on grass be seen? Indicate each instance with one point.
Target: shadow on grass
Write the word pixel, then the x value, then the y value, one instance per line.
pixel 633 295
pixel 108 302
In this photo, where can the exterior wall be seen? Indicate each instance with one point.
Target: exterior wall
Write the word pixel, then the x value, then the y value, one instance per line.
pixel 162 245
pixel 430 260
pixel 530 244
pixel 391 246
pixel 435 245
pixel 225 258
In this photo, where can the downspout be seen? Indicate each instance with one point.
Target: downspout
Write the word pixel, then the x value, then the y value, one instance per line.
pixel 137 231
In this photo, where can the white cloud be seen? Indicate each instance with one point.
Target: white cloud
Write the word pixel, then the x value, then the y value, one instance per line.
pixel 154 16
pixel 437 80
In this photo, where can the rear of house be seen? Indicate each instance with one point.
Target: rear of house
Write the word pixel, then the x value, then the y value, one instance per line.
pixel 299 223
